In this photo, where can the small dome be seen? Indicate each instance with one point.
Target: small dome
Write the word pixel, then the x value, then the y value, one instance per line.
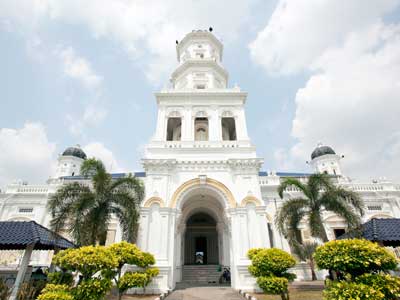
pixel 75 151
pixel 322 150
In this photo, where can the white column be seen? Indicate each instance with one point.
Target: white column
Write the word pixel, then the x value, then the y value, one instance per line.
pixel 263 227
pixel 161 131
pixel 241 127
pixel 22 271
pixel 213 126
pixel 171 246
pixel 143 229
pixel 187 124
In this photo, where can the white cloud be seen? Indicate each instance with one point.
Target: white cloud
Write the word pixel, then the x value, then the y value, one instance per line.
pixel 351 100
pixel 25 154
pixel 301 30
pixel 99 151
pixel 93 115
pixel 79 68
pixel 147 30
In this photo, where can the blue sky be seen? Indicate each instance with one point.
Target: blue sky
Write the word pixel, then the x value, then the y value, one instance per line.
pixel 74 73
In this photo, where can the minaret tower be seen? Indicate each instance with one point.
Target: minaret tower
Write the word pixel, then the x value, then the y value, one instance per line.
pixel 325 160
pixel 200 110
pixel 200 165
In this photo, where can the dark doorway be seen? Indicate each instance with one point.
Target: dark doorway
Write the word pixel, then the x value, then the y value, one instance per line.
pixel 201 250
pixel 201 240
pixel 338 232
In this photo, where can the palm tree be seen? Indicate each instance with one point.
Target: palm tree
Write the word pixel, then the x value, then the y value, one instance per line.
pixel 305 252
pixel 319 195
pixel 84 209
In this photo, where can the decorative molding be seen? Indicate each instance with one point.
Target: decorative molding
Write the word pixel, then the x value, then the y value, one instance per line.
pixel 250 199
pixel 154 200
pixel 196 182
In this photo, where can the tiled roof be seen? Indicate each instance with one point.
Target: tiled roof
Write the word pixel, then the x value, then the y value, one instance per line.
pixel 16 235
pixel 383 230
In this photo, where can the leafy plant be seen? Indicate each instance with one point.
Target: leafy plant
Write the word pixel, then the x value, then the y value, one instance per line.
pixel 127 253
pixel 30 290
pixel 56 292
pixel 319 194
pixel 354 257
pixel 270 266
pixel 99 267
pixel 85 210
pixel 388 285
pixel 5 291
pixel 60 278
pixel 361 264
pixel 305 252
pixel 92 289
pixel 352 291
pixel 87 260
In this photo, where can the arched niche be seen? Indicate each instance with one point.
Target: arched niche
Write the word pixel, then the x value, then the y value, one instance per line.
pixel 219 188
pixel 154 200
pixel 250 199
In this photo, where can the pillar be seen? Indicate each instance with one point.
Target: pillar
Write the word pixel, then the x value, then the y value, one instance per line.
pixel 22 271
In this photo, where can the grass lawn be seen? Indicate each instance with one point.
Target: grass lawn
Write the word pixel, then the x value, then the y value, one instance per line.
pixel 294 295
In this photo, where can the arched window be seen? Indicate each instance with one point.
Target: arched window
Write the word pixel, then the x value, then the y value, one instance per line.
pixel 174 129
pixel 201 129
pixel 228 129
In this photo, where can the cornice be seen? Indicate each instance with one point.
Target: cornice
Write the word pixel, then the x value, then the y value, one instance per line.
pixel 199 63
pixel 202 95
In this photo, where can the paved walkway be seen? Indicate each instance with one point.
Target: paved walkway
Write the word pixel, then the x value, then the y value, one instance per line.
pixel 205 293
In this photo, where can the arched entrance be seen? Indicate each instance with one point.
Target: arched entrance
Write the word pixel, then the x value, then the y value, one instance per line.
pixel 201 240
pixel 203 228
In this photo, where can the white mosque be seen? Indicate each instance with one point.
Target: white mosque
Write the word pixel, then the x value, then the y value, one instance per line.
pixel 207 200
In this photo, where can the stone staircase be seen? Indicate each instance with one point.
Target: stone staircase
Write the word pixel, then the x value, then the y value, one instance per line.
pixel 200 274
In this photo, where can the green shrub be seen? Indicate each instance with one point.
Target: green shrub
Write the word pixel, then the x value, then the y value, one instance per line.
pixel 30 290
pixel 92 289
pixel 273 285
pixel 127 253
pixel 56 292
pixel 267 262
pixel 55 296
pixel 5 291
pixel 352 291
pixel 252 252
pixel 354 257
pixel 132 279
pixel 87 260
pixel 60 278
pixel 388 285
pixel 270 266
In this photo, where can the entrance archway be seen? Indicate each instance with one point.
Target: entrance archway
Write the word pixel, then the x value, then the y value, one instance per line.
pixel 201 240
pixel 203 226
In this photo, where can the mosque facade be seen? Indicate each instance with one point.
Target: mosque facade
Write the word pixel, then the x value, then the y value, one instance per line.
pixel 207 200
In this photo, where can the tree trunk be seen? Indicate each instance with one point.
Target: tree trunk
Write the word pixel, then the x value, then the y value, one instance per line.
pixel 313 275
pixel 285 295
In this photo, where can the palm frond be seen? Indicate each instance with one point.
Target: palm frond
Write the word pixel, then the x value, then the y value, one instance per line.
pixel 319 182
pixel 305 250
pixel 287 182
pixel 352 198
pixel 290 214
pixel 316 225
pixel 342 209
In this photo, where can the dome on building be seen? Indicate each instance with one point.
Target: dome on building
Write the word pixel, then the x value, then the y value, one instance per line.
pixel 75 151
pixel 322 150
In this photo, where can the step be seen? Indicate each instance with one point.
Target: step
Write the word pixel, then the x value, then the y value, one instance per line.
pixel 201 274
